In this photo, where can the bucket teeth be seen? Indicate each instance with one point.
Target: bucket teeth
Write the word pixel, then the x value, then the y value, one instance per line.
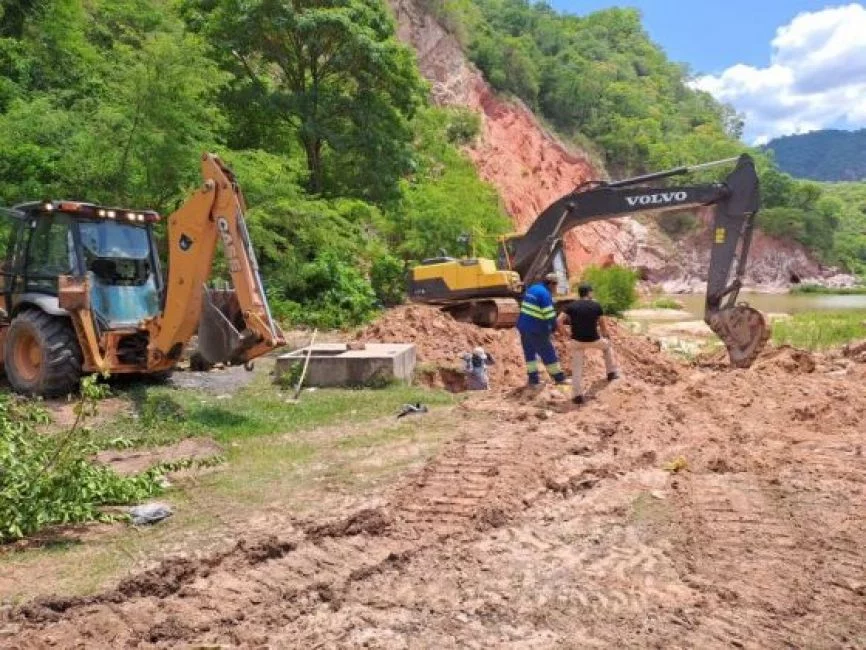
pixel 743 330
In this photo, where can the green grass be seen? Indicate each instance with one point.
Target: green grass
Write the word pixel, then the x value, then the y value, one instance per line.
pixel 282 460
pixel 801 289
pixel 661 303
pixel 818 330
pixel 164 415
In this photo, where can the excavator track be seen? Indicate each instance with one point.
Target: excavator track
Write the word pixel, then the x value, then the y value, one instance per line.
pixel 498 313
pixel 743 330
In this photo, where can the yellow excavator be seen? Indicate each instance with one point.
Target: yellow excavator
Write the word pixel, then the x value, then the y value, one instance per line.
pixel 81 288
pixel 487 292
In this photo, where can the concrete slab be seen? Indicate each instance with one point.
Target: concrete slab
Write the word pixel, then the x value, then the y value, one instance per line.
pixel 334 364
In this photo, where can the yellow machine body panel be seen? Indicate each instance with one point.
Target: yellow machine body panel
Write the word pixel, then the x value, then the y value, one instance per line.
pixel 466 278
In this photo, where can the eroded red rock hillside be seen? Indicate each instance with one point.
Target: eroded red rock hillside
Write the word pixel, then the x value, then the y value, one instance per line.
pixel 528 166
pixel 531 169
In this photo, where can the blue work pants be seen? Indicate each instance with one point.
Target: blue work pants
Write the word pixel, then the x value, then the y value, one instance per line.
pixel 537 345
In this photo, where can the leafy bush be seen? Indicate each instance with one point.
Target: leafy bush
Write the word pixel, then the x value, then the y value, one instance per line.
pixel 388 278
pixel 290 376
pixel 614 287
pixel 336 295
pixel 665 302
pixel 48 480
pixel 463 127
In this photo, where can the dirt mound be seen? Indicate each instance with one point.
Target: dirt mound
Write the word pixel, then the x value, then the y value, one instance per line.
pixel 789 359
pixel 440 342
pixel 370 521
pixel 855 350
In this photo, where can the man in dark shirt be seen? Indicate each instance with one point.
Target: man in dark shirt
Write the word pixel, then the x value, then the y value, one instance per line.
pixel 588 332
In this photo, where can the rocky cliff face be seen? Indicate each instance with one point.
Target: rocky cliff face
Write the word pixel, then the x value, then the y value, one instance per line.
pixel 531 169
pixel 773 263
pixel 528 166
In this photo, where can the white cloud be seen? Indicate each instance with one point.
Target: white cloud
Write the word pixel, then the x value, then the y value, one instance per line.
pixel 816 77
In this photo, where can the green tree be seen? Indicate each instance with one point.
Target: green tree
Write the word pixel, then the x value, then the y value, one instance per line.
pixel 334 73
pixel 122 116
pixel 444 199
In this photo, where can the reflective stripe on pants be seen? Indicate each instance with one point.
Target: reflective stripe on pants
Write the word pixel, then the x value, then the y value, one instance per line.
pixel 540 345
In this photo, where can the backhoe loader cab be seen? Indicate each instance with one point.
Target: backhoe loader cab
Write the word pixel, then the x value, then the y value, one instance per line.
pixel 114 249
pixel 52 252
pixel 81 288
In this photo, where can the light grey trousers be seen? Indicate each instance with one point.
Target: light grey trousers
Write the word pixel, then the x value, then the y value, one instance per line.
pixel 578 350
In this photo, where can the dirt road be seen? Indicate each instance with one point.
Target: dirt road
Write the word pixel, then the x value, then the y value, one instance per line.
pixel 543 526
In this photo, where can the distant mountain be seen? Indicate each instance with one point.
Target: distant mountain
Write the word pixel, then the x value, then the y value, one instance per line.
pixel 828 155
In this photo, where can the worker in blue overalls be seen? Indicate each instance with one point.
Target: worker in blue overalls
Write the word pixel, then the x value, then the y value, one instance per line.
pixel 536 324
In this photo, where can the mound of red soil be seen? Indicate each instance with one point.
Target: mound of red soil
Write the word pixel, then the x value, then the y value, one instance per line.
pixel 440 341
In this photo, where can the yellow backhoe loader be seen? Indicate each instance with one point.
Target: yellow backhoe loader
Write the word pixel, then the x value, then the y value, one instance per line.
pixel 487 292
pixel 81 288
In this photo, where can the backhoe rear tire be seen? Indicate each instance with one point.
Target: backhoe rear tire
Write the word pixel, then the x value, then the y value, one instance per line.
pixel 41 354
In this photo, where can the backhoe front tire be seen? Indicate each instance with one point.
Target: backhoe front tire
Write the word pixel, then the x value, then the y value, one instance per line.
pixel 41 354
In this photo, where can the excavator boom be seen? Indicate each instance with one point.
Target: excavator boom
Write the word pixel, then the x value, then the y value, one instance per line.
pixel 233 326
pixel 735 204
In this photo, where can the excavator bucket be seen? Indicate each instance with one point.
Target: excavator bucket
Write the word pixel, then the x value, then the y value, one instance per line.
pixel 219 337
pixel 743 330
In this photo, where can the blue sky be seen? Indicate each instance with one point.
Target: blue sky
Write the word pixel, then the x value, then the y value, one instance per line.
pixel 788 65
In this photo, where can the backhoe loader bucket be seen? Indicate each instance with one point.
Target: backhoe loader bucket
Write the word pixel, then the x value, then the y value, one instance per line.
pixel 219 336
pixel 743 330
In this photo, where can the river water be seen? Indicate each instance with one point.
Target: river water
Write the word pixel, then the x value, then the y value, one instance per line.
pixel 780 303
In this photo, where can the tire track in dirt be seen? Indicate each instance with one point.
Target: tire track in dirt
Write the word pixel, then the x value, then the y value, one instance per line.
pixel 476 483
pixel 481 478
pixel 747 551
pixel 539 525
pixel 831 499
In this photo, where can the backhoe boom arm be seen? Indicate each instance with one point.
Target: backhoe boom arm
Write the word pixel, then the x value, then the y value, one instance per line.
pixel 237 326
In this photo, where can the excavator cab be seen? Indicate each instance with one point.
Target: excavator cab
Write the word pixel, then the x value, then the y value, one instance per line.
pixel 562 293
pixel 81 288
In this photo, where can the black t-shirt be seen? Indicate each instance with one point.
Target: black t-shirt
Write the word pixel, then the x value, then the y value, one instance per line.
pixel 584 315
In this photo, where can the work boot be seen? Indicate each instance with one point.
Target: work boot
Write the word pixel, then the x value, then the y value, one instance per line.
pixel 612 375
pixel 578 400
